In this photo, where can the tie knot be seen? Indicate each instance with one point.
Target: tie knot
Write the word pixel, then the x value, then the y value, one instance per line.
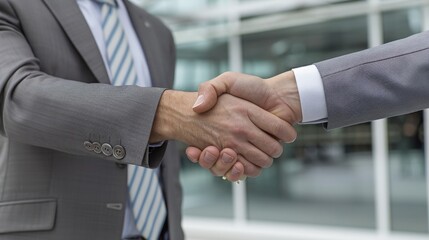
pixel 112 3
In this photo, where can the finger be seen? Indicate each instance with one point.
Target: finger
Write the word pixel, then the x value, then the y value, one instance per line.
pixel 254 155
pixel 208 157
pixel 250 169
pixel 265 143
pixel 228 158
pixel 236 173
pixel 268 145
pixel 273 125
pixel 193 154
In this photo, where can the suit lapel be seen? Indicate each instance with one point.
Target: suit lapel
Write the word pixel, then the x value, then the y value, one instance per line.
pixel 146 35
pixel 73 22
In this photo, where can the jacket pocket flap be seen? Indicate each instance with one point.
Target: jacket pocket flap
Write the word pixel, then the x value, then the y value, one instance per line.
pixel 27 215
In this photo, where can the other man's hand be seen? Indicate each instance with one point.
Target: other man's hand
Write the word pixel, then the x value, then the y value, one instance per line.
pixel 278 95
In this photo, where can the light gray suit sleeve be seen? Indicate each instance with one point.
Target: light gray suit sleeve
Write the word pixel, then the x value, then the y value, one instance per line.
pixel 61 114
pixel 384 81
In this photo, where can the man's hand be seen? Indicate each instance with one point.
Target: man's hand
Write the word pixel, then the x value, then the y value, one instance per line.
pixel 224 163
pixel 233 123
pixel 278 95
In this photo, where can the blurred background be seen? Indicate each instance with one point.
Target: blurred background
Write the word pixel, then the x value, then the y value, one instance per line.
pixel 363 182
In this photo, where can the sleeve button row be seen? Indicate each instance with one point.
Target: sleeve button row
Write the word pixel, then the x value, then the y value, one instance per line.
pixel 117 151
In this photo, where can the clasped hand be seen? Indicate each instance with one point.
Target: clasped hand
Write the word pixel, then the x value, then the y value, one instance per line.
pixel 256 116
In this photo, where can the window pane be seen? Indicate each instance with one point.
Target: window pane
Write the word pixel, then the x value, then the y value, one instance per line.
pixel 204 195
pixel 186 14
pixel 323 178
pixel 406 147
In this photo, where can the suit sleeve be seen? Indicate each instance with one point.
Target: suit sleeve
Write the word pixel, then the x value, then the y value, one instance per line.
pixel 384 81
pixel 61 114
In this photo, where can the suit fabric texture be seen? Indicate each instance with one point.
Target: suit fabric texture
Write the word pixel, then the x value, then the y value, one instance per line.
pixel 56 95
pixel 384 81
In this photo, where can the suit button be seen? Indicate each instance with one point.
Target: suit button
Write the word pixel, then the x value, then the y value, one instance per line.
pixel 88 146
pixel 97 147
pixel 118 152
pixel 107 149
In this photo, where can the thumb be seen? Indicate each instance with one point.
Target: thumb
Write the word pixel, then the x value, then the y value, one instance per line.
pixel 207 98
pixel 209 91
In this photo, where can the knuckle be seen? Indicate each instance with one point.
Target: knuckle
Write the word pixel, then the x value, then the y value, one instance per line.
pixel 228 75
pixel 239 130
pixel 230 141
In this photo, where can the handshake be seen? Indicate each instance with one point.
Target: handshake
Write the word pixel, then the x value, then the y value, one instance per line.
pixel 234 125
pixel 236 122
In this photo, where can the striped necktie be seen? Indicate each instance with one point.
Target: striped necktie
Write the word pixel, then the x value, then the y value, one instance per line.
pixel 146 199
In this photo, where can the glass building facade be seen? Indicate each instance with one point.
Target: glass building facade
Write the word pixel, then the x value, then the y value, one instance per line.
pixel 367 181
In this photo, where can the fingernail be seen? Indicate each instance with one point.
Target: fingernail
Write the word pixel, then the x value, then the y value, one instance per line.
pixel 193 160
pixel 278 154
pixel 191 157
pixel 292 140
pixel 235 171
pixel 226 158
pixel 209 158
pixel 199 101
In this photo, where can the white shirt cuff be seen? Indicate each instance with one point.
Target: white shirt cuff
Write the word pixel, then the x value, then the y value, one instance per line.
pixel 311 94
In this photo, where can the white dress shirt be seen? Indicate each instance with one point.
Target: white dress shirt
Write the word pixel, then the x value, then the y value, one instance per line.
pixel 92 13
pixel 311 94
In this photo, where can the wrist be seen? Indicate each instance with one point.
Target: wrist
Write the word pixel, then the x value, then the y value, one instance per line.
pixel 174 109
pixel 286 88
pixel 160 130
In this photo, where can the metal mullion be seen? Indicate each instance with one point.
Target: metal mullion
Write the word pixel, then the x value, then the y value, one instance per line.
pixel 235 63
pixel 379 136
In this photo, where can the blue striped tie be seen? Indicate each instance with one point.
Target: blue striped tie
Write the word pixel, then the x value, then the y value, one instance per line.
pixel 146 199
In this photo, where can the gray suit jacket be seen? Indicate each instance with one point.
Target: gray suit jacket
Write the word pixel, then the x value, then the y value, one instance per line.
pixel 384 81
pixel 55 95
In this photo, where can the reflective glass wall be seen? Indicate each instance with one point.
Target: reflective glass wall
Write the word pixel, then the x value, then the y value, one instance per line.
pixel 408 189
pixel 324 177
